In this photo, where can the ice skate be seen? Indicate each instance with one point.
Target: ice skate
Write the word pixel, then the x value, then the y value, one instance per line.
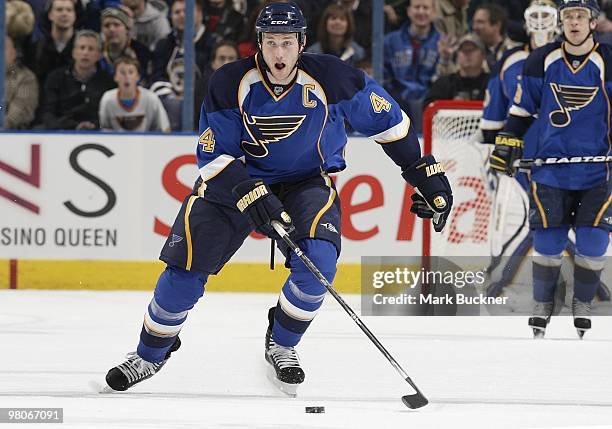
pixel 541 317
pixel 135 369
pixel 285 371
pixel 582 316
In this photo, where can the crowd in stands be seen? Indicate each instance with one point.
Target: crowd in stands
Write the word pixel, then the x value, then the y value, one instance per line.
pixel 118 64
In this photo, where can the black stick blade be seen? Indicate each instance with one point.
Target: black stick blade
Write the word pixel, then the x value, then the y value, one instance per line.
pixel 415 401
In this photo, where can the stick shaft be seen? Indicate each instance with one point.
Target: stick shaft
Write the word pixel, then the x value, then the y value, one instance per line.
pixel 528 163
pixel 315 271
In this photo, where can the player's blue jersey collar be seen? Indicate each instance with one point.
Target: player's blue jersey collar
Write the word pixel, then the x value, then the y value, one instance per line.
pixel 586 59
pixel 264 81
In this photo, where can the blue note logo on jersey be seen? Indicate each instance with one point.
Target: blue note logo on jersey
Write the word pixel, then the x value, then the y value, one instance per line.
pixel 569 98
pixel 175 239
pixel 268 129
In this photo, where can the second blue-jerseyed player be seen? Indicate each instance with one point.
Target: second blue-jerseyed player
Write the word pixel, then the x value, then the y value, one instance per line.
pixel 567 86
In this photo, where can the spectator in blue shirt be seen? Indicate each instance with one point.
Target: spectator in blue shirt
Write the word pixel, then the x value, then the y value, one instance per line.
pixel 411 57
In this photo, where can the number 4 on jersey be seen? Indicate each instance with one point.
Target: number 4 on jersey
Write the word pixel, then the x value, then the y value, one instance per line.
pixel 207 140
pixel 379 103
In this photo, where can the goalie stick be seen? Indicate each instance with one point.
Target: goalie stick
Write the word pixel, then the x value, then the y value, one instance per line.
pixel 416 400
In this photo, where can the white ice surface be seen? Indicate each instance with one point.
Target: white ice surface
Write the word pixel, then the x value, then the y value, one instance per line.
pixel 477 372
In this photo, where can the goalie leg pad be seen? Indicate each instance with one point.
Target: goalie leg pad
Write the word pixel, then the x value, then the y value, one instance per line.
pixel 176 293
pixel 302 294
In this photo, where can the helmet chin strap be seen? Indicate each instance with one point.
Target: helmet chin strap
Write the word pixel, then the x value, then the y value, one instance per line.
pixel 588 36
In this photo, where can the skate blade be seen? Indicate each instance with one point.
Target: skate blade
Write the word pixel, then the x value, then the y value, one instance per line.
pixel 101 388
pixel 581 333
pixel 287 388
pixel 538 333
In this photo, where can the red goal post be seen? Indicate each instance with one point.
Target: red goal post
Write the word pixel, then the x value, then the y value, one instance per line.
pixel 451 132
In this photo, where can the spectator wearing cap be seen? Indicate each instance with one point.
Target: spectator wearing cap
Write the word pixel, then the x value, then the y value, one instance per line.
pixel 171 48
pixel 411 56
pixel 20 89
pixel 150 20
pixel 470 81
pixel 489 23
pixel 115 24
pixel 71 94
pixel 222 20
pixel 54 49
pixel 335 35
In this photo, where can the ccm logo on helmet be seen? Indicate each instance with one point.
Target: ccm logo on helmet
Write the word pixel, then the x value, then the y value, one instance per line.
pixel 279 22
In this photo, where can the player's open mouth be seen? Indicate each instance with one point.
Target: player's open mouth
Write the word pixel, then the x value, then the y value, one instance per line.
pixel 279 66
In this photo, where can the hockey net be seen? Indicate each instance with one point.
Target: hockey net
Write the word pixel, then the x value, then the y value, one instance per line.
pixel 451 133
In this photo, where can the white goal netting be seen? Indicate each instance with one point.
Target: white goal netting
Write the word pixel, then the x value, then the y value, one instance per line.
pixel 452 134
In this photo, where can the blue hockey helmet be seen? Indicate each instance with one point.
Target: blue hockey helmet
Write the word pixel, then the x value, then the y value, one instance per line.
pixel 281 18
pixel 591 5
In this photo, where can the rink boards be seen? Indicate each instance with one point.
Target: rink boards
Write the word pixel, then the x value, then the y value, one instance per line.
pixel 92 211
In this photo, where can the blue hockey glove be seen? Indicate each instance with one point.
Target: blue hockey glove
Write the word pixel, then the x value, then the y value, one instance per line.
pixel 508 149
pixel 434 197
pixel 262 206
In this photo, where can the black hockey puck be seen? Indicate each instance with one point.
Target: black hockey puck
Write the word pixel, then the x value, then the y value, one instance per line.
pixel 315 410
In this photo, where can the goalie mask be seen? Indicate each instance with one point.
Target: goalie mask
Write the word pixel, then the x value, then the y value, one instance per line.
pixel 541 22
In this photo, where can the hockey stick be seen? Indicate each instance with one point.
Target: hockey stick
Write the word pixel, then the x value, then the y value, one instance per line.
pixel 416 400
pixel 526 164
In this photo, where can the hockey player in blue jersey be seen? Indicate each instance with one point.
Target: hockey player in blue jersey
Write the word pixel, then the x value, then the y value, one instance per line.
pixel 541 24
pixel 271 130
pixel 509 227
pixel 568 85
